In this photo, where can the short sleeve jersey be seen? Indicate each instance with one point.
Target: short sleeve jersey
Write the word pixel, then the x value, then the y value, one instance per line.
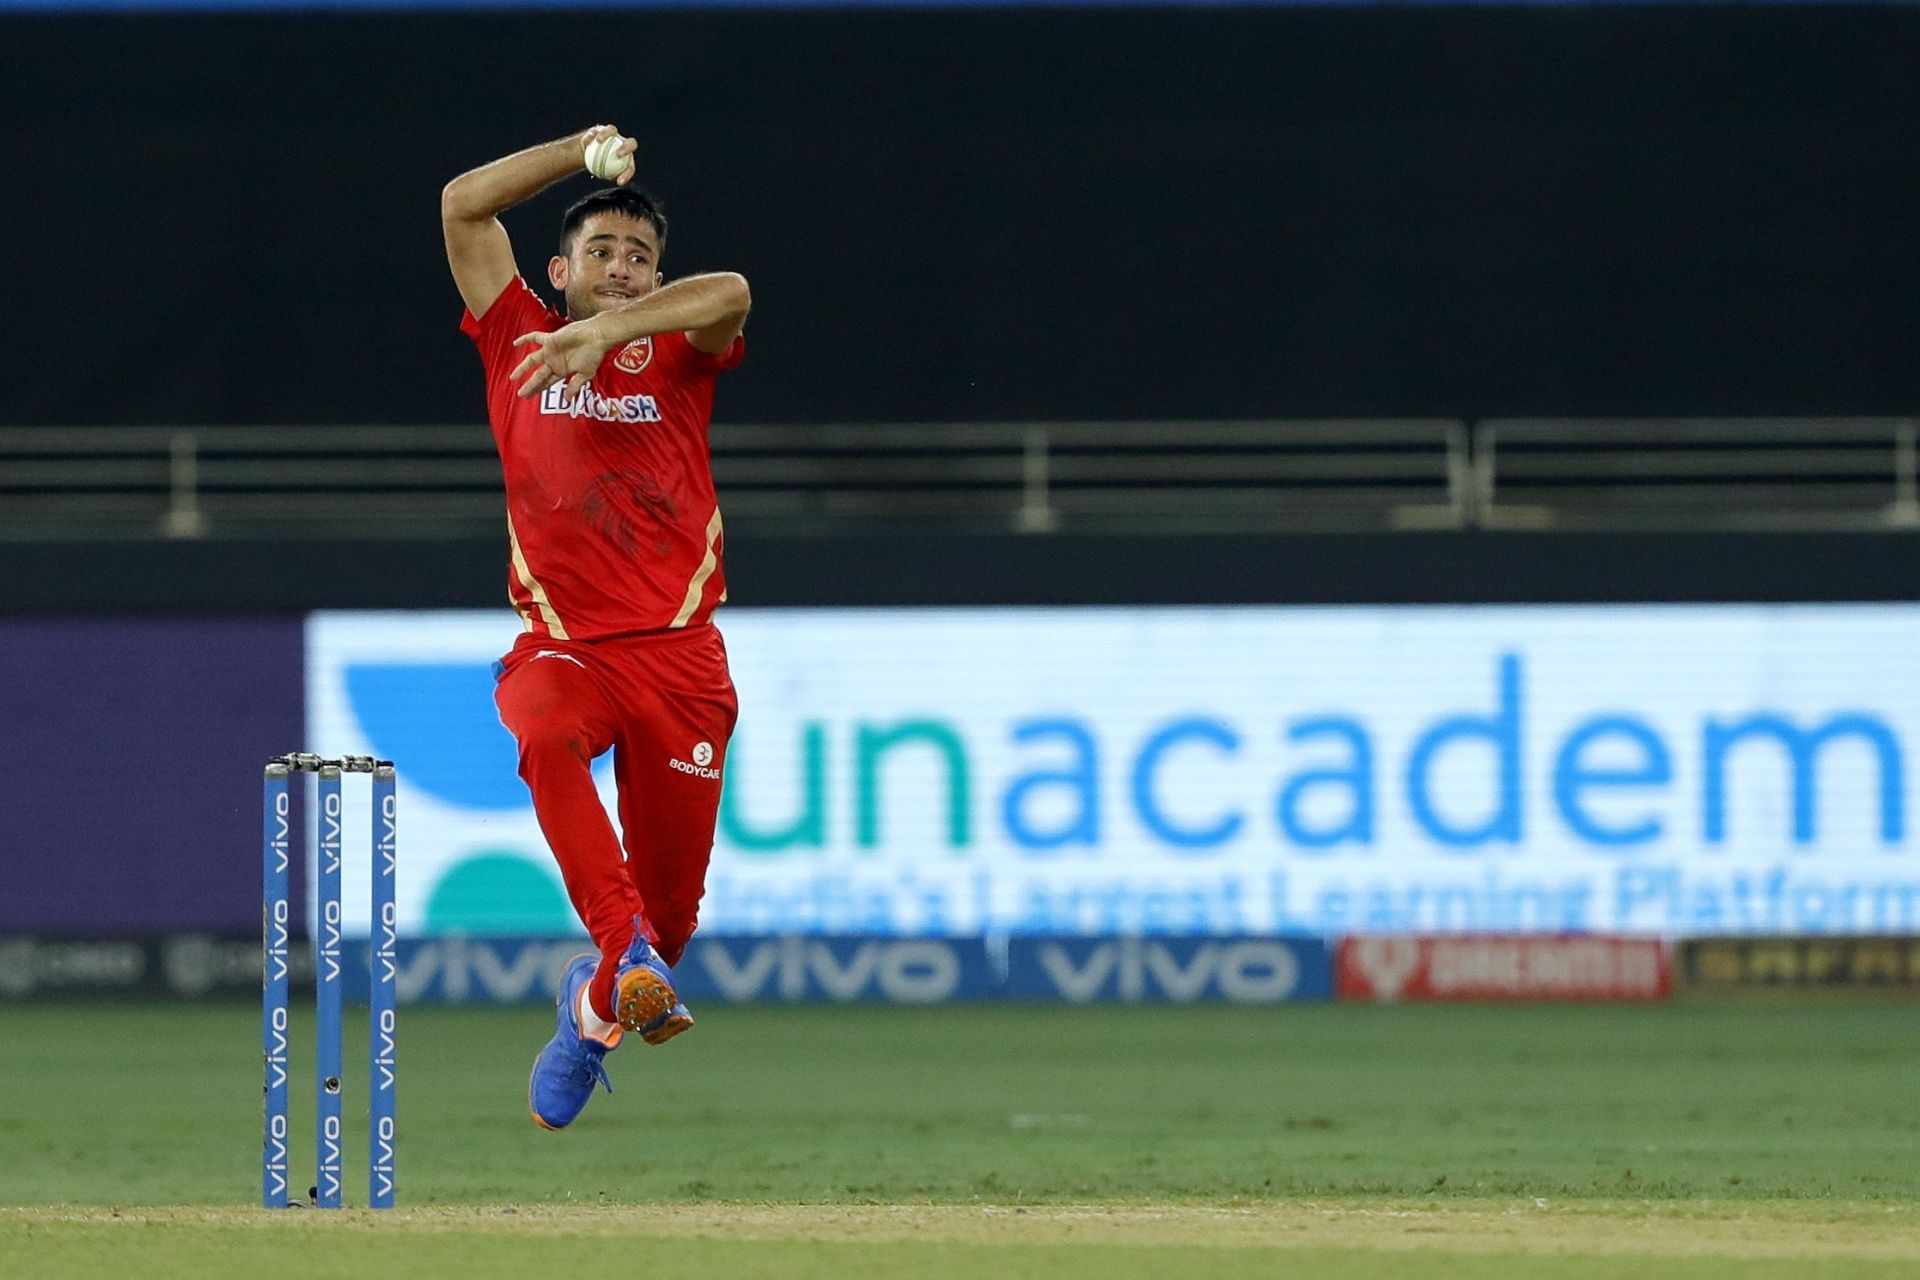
pixel 612 520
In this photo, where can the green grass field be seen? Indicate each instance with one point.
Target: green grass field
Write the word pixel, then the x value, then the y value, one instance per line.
pixel 1751 1138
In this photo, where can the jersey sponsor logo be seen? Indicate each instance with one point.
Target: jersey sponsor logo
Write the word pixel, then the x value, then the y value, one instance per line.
pixel 702 757
pixel 564 657
pixel 635 356
pixel 591 404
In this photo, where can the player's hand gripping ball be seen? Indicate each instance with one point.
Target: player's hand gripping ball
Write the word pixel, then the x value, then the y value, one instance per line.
pixel 610 156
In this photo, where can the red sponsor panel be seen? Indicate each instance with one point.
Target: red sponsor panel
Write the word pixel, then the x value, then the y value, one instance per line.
pixel 1501 967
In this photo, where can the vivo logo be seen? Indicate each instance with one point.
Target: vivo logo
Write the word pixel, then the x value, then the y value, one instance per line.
pixel 277 1049
pixel 330 943
pixel 277 1156
pixel 388 835
pixel 508 970
pixel 330 1159
pixel 457 969
pixel 330 834
pixel 277 940
pixel 383 1058
pixel 281 830
pixel 1242 971
pixel 795 968
pixel 385 970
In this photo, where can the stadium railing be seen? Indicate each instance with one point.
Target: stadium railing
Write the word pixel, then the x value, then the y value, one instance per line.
pixel 1714 472
pixel 1032 477
pixel 191 482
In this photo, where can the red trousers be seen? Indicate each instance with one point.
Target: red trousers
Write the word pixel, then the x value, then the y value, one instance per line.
pixel 665 704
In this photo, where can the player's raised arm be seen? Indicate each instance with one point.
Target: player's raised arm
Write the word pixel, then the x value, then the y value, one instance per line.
pixel 711 309
pixel 477 246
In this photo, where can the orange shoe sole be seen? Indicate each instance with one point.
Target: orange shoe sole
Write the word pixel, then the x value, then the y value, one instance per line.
pixel 639 996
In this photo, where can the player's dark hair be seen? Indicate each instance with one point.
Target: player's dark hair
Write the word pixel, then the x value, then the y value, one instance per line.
pixel 624 200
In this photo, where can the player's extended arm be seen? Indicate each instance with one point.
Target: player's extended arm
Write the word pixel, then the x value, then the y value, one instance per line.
pixel 477 246
pixel 712 309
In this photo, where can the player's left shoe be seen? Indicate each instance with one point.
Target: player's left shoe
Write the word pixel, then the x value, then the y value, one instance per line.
pixel 570 1065
pixel 644 998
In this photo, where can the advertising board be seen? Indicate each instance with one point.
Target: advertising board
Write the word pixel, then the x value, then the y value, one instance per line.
pixel 1387 968
pixel 1658 771
pixel 1173 970
pixel 1875 963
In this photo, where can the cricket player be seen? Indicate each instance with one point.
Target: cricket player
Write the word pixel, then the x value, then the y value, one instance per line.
pixel 600 416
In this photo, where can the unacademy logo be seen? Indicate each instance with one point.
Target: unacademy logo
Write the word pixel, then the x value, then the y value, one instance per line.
pixel 702 758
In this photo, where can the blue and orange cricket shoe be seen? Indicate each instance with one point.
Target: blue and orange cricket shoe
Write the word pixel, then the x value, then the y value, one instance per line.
pixel 644 999
pixel 566 1070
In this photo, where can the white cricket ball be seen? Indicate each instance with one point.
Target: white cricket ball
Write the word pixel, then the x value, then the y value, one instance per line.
pixel 602 162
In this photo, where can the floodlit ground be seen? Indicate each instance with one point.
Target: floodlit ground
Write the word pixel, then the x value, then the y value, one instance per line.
pixel 1753 1139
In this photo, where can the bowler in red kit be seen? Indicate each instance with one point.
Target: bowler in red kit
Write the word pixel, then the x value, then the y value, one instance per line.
pixel 600 415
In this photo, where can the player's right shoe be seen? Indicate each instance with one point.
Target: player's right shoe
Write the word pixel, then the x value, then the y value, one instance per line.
pixel 644 999
pixel 566 1070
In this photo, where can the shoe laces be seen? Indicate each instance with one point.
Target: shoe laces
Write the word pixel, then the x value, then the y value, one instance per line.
pixel 588 1068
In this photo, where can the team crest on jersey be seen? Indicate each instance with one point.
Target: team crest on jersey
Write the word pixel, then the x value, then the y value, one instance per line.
pixel 635 356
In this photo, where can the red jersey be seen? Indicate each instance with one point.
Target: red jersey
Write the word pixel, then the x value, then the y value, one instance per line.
pixel 611 513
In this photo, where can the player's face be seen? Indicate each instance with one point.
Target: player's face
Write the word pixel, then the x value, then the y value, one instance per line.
pixel 614 260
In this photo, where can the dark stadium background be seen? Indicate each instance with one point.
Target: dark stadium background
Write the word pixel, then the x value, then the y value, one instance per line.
pixel 1005 215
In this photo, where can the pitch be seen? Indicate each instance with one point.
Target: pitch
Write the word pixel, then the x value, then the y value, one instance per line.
pixel 1752 1138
